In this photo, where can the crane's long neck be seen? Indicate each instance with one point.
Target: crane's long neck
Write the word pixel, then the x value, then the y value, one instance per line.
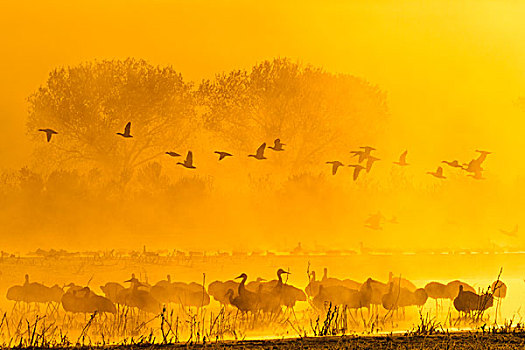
pixel 242 288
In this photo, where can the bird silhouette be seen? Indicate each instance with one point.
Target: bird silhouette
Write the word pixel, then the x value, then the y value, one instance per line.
pixel 362 155
pixel 478 175
pixel 402 159
pixel 438 173
pixel 277 145
pixel 483 155
pixel 173 154
pixel 367 149
pixel 223 155
pixel 335 165
pixel 374 221
pixel 259 154
pixel 357 170
pixel 454 163
pixel 49 133
pixel 188 162
pixel 127 131
pixel 370 162
pixel 512 233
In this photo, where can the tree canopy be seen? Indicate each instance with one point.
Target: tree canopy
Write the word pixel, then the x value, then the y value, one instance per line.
pixel 87 104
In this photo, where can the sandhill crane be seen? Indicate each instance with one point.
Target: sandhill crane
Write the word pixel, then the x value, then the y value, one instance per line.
pixel 362 155
pixel 401 282
pixel 259 154
pixel 438 173
pixel 467 301
pixel 437 291
pixel 331 281
pixel 454 286
pixel 111 291
pixel 218 290
pixel 369 162
pixel 313 286
pixel 83 300
pixel 253 286
pixel 277 145
pixel 335 165
pixel 223 154
pixel 288 295
pixel 511 233
pixel 483 155
pixel 477 175
pixel 245 300
pixel 127 131
pixel 402 159
pixel 188 162
pixel 454 163
pixel 141 299
pixel 378 289
pixel 49 133
pixel 367 149
pixel 357 170
pixel 396 297
pixel 374 221
pixel 173 154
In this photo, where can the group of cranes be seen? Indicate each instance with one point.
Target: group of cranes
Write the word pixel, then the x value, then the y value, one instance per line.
pixel 364 155
pixel 258 296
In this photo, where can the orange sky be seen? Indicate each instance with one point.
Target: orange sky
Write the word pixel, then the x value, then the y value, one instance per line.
pixel 453 69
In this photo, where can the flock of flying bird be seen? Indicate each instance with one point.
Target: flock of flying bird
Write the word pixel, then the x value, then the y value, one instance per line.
pixel 364 155
pixel 256 297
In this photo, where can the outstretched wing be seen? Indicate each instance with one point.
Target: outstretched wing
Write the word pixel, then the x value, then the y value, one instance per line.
pixel 189 158
pixel 260 150
pixel 403 157
pixel 356 172
pixel 127 129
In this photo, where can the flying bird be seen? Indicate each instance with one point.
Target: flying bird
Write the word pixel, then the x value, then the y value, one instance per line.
pixel 454 163
pixel 477 175
pixel 223 155
pixel 188 162
pixel 127 131
pixel 402 159
pixel 438 173
pixel 277 145
pixel 335 165
pixel 259 154
pixel 173 154
pixel 362 155
pixel 512 233
pixel 357 170
pixel 49 133
pixel 368 149
pixel 369 162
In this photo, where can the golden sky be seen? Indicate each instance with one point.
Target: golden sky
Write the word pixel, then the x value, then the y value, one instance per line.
pixel 453 69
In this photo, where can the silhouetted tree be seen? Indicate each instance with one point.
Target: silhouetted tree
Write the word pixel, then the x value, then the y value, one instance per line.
pixel 309 109
pixel 87 104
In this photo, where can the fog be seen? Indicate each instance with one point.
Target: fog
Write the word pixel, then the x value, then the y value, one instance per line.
pixel 440 80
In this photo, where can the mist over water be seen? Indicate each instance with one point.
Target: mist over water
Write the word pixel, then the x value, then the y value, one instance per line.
pixel 440 80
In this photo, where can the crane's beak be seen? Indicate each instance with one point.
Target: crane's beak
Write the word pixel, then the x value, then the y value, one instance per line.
pixel 240 276
pixel 288 273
